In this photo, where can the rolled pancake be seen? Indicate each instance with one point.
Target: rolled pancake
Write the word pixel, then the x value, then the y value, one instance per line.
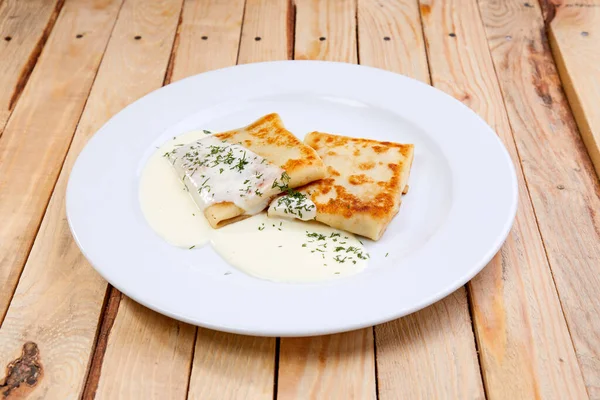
pixel 268 138
pixel 364 184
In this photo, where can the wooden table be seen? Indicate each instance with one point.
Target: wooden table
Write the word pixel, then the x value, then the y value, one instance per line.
pixel 526 327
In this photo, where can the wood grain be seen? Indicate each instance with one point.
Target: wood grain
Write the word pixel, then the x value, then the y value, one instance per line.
pixel 574 35
pixel 340 366
pixel 270 41
pixel 430 354
pixel 59 298
pixel 336 366
pixel 562 184
pixel 391 37
pixel 35 140
pixel 227 366
pixel 522 334
pixel 143 362
pixel 208 38
pixel 437 341
pixel 24 29
pixel 326 30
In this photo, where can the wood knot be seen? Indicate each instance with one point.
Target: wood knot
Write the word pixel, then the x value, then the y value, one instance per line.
pixel 465 98
pixel 25 370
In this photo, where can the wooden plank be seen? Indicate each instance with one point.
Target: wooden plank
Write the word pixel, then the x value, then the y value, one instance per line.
pixel 142 361
pixel 270 41
pixel 430 354
pixel 524 344
pixel 208 38
pixel 560 177
pixel 437 341
pixel 326 30
pixel 60 297
pixel 391 37
pixel 227 366
pixel 36 138
pixel 338 366
pixel 24 29
pixel 574 32
pixel 335 366
pixel 219 23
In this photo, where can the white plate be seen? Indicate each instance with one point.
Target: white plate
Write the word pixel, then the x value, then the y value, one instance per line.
pixel 458 212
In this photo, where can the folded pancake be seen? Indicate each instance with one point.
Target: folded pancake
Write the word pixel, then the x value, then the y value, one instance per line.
pixel 268 138
pixel 363 187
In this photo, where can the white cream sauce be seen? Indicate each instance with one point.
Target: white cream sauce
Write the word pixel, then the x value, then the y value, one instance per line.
pixel 293 205
pixel 271 248
pixel 289 250
pixel 215 172
pixel 167 204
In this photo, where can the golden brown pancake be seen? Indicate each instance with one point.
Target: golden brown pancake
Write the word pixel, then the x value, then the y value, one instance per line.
pixel 365 180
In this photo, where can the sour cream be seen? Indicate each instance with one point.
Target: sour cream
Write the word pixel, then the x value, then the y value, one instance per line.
pixel 287 250
pixel 214 171
pixel 165 201
pixel 293 205
pixel 267 247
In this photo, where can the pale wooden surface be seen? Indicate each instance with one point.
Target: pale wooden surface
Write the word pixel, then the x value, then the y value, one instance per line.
pixel 267 42
pixel 391 37
pixel 534 308
pixel 437 341
pixel 560 177
pixel 24 29
pixel 142 361
pixel 522 335
pixel 59 298
pixel 574 34
pixel 38 134
pixel 333 366
pixel 326 30
pixel 232 367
